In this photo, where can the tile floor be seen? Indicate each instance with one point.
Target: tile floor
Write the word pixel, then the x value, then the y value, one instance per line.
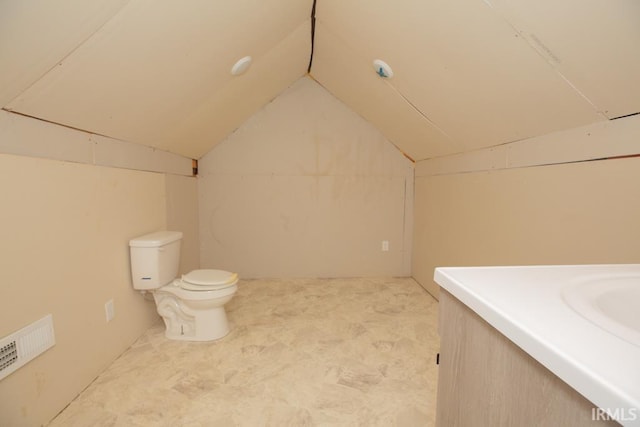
pixel 325 352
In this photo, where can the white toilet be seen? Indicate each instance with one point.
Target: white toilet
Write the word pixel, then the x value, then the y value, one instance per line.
pixel 192 307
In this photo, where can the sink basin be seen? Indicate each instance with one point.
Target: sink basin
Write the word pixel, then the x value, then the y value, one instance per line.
pixel 610 302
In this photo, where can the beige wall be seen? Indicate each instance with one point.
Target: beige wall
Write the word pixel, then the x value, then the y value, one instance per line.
pixel 578 213
pixel 182 215
pixel 306 188
pixel 64 231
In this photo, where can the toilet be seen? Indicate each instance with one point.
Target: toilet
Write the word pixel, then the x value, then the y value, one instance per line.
pixel 191 306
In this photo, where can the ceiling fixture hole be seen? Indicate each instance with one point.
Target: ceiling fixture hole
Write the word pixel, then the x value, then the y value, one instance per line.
pixel 241 66
pixel 382 69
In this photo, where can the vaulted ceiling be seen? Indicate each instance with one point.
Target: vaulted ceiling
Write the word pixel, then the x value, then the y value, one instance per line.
pixel 466 74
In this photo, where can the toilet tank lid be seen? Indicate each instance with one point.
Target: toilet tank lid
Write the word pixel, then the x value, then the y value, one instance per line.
pixel 156 239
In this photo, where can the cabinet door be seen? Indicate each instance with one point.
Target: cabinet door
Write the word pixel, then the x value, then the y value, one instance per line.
pixel 486 380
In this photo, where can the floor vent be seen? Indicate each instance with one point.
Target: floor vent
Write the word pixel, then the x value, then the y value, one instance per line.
pixel 24 345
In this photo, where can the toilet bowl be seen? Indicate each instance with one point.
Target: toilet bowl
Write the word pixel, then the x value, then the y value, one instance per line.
pixel 193 314
pixel 192 307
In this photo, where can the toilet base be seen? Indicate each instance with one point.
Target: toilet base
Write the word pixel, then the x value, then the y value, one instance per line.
pixel 206 326
pixel 185 324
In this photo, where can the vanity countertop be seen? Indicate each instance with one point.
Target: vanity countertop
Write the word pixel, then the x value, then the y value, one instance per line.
pixel 526 305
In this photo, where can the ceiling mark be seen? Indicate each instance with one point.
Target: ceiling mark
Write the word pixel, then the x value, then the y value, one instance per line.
pixel 626 115
pixel 313 34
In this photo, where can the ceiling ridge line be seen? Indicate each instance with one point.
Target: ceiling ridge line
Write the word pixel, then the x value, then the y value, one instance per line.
pixel 313 34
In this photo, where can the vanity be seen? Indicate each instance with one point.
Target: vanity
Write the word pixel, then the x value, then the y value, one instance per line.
pixel 539 346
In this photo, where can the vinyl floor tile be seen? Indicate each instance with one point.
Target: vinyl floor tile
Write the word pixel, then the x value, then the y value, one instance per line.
pixel 301 352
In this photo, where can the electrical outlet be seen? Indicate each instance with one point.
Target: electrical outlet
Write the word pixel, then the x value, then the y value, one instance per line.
pixel 385 246
pixel 109 310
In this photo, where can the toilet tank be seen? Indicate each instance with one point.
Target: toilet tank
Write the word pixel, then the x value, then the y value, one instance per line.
pixel 155 259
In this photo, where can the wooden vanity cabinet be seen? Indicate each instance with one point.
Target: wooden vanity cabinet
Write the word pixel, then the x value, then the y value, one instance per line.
pixel 486 380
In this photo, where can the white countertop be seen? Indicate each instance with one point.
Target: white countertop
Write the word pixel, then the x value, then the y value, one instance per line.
pixel 526 305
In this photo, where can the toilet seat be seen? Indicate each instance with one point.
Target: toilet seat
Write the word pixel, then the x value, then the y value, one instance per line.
pixel 207 280
pixel 203 295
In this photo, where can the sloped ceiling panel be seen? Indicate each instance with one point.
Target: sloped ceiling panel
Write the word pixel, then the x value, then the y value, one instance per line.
pixel 352 80
pixel 468 74
pixel 215 117
pixel 593 43
pixel 36 34
pixel 461 64
pixel 158 73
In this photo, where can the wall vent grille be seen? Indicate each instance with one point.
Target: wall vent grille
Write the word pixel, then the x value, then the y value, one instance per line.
pixel 8 355
pixel 24 345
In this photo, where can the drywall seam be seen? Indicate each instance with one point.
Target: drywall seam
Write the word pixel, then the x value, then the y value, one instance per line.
pixel 70 52
pixel 32 137
pixel 408 223
pixel 545 53
pixel 413 106
pixel 365 119
pixel 596 141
